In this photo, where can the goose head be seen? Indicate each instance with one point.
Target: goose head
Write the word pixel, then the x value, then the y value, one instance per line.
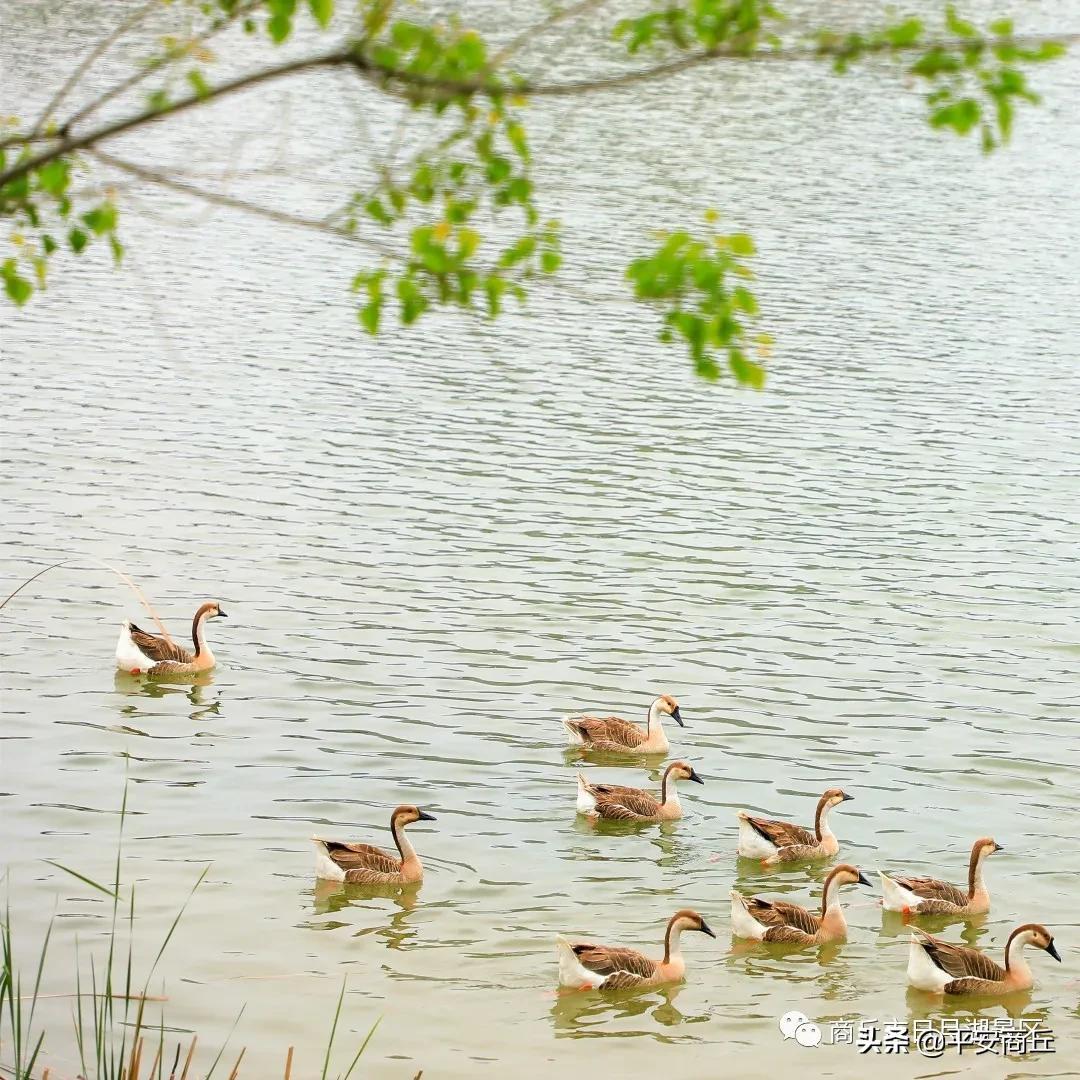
pixel 834 797
pixel 667 705
pixel 1037 935
pixel 846 874
pixel 683 770
pixel 984 847
pixel 407 814
pixel 689 920
pixel 212 610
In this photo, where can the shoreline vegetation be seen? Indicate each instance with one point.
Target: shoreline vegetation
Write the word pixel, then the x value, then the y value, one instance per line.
pixel 114 1037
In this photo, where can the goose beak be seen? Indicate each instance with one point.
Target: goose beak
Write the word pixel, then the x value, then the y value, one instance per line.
pixel 998 847
pixel 864 880
pixel 705 929
pixel 846 797
pixel 1053 951
pixel 425 816
pixel 676 715
pixel 694 776
pixel 221 614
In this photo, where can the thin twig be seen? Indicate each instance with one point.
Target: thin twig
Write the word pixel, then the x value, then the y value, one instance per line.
pixel 288 1064
pixel 236 1067
pixel 138 76
pixel 283 217
pixel 190 1055
pixel 534 31
pixel 90 59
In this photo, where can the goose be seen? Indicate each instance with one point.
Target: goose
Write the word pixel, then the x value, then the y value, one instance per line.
pixel 138 652
pixel 364 864
pixel 779 922
pixel 615 735
pixel 615 802
pixel 583 966
pixel 929 896
pixel 779 841
pixel 940 967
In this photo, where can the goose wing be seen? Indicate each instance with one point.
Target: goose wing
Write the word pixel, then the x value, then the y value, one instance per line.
pixel 360 857
pixel 610 961
pixel 782 833
pixel 781 913
pixel 933 889
pixel 630 806
pixel 961 962
pixel 611 729
pixel 611 791
pixel 157 648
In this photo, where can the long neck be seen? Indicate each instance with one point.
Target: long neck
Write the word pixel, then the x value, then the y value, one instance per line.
pixel 405 848
pixel 831 896
pixel 1015 962
pixel 654 717
pixel 666 785
pixel 975 878
pixel 821 820
pixel 197 625
pixel 671 942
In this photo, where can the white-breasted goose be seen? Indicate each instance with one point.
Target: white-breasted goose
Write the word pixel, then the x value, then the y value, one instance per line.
pixel 141 653
pixel 783 923
pixel 930 896
pixel 940 967
pixel 614 802
pixel 614 735
pixel 584 966
pixel 779 841
pixel 364 864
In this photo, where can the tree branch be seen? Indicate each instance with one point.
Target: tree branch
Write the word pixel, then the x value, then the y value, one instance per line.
pixel 427 88
pixel 89 60
pixel 230 202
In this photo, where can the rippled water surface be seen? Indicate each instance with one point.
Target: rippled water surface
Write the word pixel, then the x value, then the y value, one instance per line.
pixel 433 544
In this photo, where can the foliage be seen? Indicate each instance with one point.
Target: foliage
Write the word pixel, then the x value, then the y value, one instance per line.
pixel 461 224
pixel 111 1037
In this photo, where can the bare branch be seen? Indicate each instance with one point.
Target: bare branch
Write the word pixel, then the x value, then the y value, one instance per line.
pixel 230 202
pixel 90 59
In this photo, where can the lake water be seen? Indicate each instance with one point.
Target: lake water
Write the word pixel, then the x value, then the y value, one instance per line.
pixel 433 544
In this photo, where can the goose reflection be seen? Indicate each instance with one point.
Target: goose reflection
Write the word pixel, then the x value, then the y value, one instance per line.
pixel 330 897
pixel 583 1015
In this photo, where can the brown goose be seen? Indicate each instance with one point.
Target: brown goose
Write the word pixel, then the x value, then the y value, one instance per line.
pixel 584 966
pixel 140 653
pixel 940 967
pixel 364 864
pixel 614 802
pixel 780 922
pixel 617 736
pixel 780 841
pixel 929 896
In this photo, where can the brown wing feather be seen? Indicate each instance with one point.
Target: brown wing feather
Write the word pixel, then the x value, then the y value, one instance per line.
pixel 961 962
pixel 611 791
pixel 796 852
pixel 352 857
pixel 787 935
pixel 783 833
pixel 972 986
pixel 781 913
pixel 933 889
pixel 157 648
pixel 631 806
pixel 623 980
pixel 609 729
pixel 606 960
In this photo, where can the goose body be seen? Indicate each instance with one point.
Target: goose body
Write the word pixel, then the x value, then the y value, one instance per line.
pixel 617 736
pixel 142 653
pixel 940 967
pixel 775 841
pixel 783 923
pixel 585 966
pixel 929 896
pixel 365 864
pixel 614 802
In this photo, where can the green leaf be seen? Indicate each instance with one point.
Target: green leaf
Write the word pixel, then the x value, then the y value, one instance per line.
pixel 323 10
pixel 78 240
pixel 550 261
pixel 741 244
pixel 52 177
pixel 15 285
pixel 279 27
pixel 102 219
pixel 369 316
pixel 198 83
